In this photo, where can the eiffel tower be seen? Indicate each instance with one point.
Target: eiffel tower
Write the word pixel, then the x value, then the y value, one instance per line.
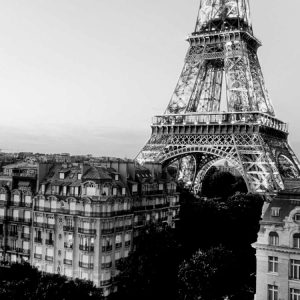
pixel 220 109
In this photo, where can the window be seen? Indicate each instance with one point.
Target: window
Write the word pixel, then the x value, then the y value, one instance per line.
pixel 297 217
pixel 275 211
pixel 296 240
pixel 38 250
pixel 105 191
pixel 114 191
pixel 79 176
pixel 2 212
pixel 28 200
pixel 27 215
pixel 72 206
pixel 2 197
pixel 49 252
pixel 68 272
pixel 61 175
pixel 49 268
pixel 272 292
pixel 295 294
pixel 87 208
pixel 123 191
pixel 16 198
pixel 69 255
pixel 273 264
pixel 134 188
pixel 15 213
pixel 84 275
pixel 90 189
pixel 295 269
pixel 273 238
pixel 161 186
pixel 117 177
pixel 25 245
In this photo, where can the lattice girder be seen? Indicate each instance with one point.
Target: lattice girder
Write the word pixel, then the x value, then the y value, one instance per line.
pixel 248 152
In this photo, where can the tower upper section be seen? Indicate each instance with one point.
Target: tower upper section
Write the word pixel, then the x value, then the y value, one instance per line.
pixel 216 15
pixel 221 71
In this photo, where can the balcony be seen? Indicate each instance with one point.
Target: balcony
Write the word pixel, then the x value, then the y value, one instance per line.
pixel 106 248
pixel 38 256
pixel 120 229
pixel 87 231
pixel 68 245
pixel 68 262
pixel 24 251
pixel 13 233
pixel 49 258
pixel 3 202
pixel 38 240
pixel 69 228
pixel 15 203
pixel 39 224
pixel 128 227
pixel 118 245
pixel 105 282
pixel 25 236
pixel 139 224
pixel 86 248
pixel 86 265
pixel 107 231
pixel 49 242
pixel 230 118
pixel 50 226
pixel 106 265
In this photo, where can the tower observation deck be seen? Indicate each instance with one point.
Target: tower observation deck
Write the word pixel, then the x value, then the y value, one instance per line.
pixel 221 109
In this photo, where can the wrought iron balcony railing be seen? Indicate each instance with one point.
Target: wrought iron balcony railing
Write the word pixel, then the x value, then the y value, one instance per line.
pixel 49 242
pixel 68 262
pixel 220 118
pixel 87 231
pixel 25 236
pixel 106 265
pixel 86 248
pixel 86 265
pixel 106 248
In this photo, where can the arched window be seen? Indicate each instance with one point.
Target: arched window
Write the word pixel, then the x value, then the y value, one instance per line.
pixel 273 238
pixel 90 189
pixel 296 240
pixel 87 208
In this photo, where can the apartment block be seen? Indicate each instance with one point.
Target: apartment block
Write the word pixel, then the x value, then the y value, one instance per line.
pixel 79 219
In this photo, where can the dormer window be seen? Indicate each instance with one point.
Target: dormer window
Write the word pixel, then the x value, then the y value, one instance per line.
pixel 134 188
pixel 61 175
pixel 297 217
pixel 275 211
pixel 79 176
pixel 116 176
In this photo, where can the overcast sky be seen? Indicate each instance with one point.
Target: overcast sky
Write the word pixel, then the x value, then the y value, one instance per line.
pixel 86 76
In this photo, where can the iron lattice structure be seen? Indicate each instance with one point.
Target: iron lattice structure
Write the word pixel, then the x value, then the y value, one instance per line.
pixel 222 68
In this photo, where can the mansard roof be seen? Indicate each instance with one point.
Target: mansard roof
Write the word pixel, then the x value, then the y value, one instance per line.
pixel 96 173
pixel 286 201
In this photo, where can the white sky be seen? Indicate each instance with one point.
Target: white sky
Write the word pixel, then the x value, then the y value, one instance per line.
pixel 86 76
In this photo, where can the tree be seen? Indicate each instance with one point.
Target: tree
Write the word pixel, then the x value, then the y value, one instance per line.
pixel 211 275
pixel 150 272
pixel 232 222
pixel 22 281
